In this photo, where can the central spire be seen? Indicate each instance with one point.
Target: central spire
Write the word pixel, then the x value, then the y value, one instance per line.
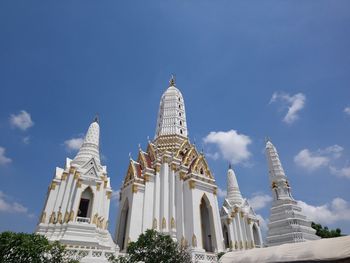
pixel 171 115
pixel 233 193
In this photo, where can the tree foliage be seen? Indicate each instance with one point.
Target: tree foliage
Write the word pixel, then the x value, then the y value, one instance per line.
pixel 324 232
pixel 154 247
pixel 30 248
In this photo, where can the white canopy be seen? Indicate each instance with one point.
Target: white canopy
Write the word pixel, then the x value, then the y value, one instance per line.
pixel 330 249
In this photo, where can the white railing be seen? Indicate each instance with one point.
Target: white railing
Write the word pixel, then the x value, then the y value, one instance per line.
pixel 204 258
pixel 91 254
pixel 83 220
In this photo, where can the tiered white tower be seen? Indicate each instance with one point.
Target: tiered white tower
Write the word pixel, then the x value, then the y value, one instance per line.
pixel 77 206
pixel 287 223
pixel 170 187
pixel 240 225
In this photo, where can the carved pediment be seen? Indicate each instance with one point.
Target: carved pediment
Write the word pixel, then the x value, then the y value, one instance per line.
pixel 151 152
pixel 131 173
pixel 91 168
pixel 190 156
pixel 200 166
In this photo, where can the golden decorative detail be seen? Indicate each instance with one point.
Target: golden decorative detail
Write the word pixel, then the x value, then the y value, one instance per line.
pixel 134 188
pixel 105 183
pixel 163 223
pixel 228 220
pixel 242 214
pixel 201 166
pixel 182 175
pixel 79 183
pixel 154 225
pixel 52 218
pixel 172 223
pixel 236 209
pixel 43 217
pixel 233 214
pixel 249 221
pixel 252 244
pixel 192 184
pixel 109 195
pixel 173 167
pixel 94 220
pixel 64 176
pixel 157 168
pixel 66 217
pixel 194 240
pixel 236 245
pixel 71 216
pixel 76 175
pixel 101 223
pixel 215 191
pixel 129 240
pixel 165 159
pixel 98 185
pixel 274 185
pixel 241 244
pixel 59 218
pixel 146 176
pixel 183 242
pixel 72 170
pixel 231 244
pixel 53 186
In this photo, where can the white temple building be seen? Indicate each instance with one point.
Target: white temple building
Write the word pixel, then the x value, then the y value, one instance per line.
pixel 170 188
pixel 287 223
pixel 240 225
pixel 76 211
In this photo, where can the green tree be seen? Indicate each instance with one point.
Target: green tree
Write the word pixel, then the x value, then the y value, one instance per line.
pixel 324 232
pixel 30 248
pixel 154 247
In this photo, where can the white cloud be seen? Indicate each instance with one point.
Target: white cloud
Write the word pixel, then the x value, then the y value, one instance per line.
pixel 335 211
pixel 347 110
pixel 221 193
pixel 294 104
pixel 115 197
pixel 259 201
pixel 22 120
pixel 213 156
pixel 7 206
pixel 320 158
pixel 26 140
pixel 233 146
pixel 342 172
pixel 74 144
pixel 310 161
pixel 3 158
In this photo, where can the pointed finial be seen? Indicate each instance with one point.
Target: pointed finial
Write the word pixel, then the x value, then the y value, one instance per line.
pixel 172 80
pixel 139 147
pixel 96 119
pixel 267 139
pixel 130 156
pixel 148 138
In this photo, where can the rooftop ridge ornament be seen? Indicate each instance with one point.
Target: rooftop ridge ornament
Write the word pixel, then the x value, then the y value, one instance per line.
pixel 172 80
pixel 96 119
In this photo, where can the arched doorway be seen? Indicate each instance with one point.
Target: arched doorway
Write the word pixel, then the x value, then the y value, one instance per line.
pixel 123 223
pixel 206 225
pixel 85 205
pixel 226 238
pixel 256 236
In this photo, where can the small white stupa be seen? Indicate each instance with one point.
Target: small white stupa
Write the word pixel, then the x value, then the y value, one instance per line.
pixel 239 222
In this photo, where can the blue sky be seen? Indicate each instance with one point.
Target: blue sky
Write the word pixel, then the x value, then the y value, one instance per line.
pixel 247 69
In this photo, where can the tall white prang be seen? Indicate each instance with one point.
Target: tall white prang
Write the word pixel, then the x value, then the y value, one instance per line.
pixel 76 211
pixel 170 188
pixel 287 223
